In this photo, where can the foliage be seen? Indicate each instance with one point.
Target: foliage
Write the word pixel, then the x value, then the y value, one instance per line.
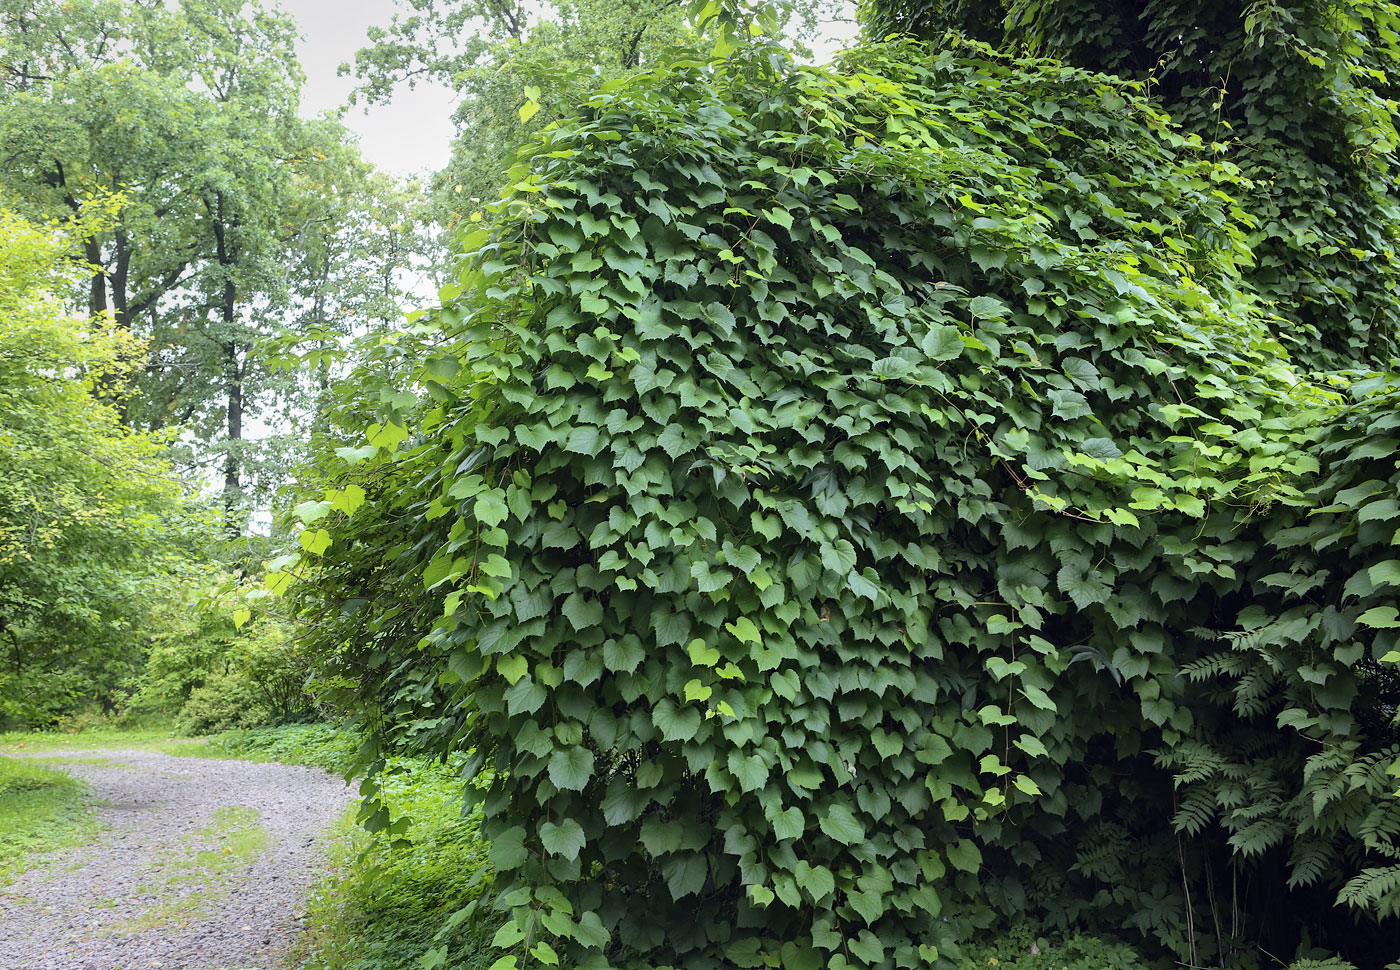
pixel 314 745
pixel 92 525
pixel 242 221
pixel 394 903
pixel 1022 948
pixel 517 68
pixel 40 809
pixel 259 678
pixel 864 507
pixel 1299 93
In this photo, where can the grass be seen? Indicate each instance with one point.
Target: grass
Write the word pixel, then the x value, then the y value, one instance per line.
pixel 196 873
pixel 41 809
pixel 389 901
pixel 88 739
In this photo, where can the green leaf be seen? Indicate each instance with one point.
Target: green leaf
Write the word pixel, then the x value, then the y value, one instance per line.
pixel 582 613
pixel 744 631
pixel 942 342
pixel 840 824
pixel 490 508
pixel 701 655
pixel 508 849
pixel 513 668
pixel 309 512
pixel 571 767
pixel 1385 572
pixel 565 839
pixel 964 855
pixel 349 499
pixel 676 723
pixel 749 771
pixel 1380 618
pixel 355 456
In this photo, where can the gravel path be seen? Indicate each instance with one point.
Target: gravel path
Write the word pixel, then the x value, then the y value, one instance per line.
pixel 201 865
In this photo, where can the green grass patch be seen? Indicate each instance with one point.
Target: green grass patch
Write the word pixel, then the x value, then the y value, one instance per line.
pixel 88 739
pixel 195 874
pixel 389 901
pixel 41 809
pixel 314 745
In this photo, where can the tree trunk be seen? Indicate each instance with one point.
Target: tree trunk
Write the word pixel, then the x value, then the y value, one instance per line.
pixel 233 485
pixel 233 380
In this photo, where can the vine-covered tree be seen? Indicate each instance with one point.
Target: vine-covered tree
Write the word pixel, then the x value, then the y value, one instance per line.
pixel 1298 93
pixel 853 510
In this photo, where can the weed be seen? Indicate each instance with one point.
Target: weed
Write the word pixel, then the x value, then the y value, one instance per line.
pixel 196 873
pixel 387 898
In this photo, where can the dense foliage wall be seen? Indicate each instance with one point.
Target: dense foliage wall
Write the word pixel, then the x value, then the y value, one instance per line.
pixel 1299 93
pixel 853 509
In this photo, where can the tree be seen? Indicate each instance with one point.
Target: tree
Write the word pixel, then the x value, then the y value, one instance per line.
pixel 1298 93
pixel 518 68
pixel 190 111
pixel 91 516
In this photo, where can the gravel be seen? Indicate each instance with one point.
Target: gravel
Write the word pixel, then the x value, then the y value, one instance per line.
pixel 133 898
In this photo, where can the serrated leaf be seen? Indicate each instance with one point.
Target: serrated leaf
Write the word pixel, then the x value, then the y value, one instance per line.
pixel 840 823
pixel 581 612
pixel 508 849
pixel 1385 572
pixel 349 499
pixel 513 668
pixel 490 507
pixel 701 655
pixel 355 456
pixel 1380 618
pixel 745 631
pixel 685 873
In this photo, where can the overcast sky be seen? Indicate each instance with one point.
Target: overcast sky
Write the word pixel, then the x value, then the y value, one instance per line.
pixel 412 134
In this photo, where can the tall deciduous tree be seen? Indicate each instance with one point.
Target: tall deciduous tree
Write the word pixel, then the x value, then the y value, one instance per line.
pixel 518 67
pixel 190 111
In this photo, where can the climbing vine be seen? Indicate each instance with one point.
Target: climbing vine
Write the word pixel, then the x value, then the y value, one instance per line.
pixel 848 509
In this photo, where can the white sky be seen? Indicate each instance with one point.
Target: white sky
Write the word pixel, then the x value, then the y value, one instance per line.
pixel 411 134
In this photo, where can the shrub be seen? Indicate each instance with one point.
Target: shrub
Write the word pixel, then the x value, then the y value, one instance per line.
pixel 862 508
pixel 253 677
pixel 399 902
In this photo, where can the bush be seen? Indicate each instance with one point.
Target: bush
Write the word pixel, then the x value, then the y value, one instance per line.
pixel 214 676
pixel 864 509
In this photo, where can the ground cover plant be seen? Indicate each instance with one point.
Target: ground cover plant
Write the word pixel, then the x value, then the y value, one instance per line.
pixel 41 809
pixel 392 898
pixel 853 510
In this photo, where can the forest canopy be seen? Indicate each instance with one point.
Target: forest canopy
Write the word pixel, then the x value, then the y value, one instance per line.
pixel 861 508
